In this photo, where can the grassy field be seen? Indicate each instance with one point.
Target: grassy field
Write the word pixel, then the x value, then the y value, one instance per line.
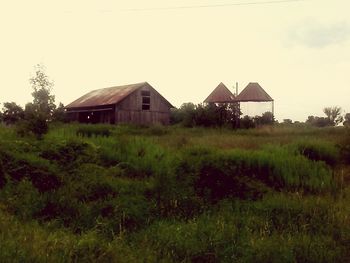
pixel 170 194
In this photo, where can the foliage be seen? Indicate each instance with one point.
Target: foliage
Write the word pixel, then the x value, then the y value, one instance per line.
pixel 59 114
pixel 12 113
pixel 333 115
pixel 347 119
pixel 207 115
pixel 34 122
pixel 287 121
pixel 318 121
pixel 318 151
pixel 2 175
pixel 172 194
pixel 265 119
pixel 184 115
pixel 38 171
pixel 38 113
pixel 247 122
pixel 345 147
pixel 43 100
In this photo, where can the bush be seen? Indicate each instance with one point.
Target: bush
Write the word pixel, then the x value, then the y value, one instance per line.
pixel 12 113
pixel 247 122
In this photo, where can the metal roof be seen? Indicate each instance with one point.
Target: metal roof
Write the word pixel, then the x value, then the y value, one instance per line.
pixel 253 92
pixel 221 94
pixel 108 96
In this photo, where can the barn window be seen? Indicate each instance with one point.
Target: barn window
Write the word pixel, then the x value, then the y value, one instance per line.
pixel 146 99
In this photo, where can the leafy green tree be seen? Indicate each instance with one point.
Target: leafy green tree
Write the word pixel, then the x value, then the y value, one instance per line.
pixel 43 100
pixel 40 111
pixel 12 113
pixel 333 115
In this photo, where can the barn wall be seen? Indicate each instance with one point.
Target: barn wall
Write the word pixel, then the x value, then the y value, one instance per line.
pixel 130 109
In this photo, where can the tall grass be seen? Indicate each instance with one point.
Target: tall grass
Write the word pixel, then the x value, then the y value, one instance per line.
pixel 278 228
pixel 169 194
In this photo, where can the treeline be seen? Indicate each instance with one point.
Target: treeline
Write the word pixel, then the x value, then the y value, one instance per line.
pixel 217 115
pixel 333 117
pixel 35 116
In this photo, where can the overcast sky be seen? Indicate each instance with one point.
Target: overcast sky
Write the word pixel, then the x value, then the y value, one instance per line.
pixel 298 51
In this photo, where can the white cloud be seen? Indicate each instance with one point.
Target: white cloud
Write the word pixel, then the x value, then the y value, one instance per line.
pixel 315 35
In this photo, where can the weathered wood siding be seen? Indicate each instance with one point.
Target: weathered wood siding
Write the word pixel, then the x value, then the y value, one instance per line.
pixel 130 109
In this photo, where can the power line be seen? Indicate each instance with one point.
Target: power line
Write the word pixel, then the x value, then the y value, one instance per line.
pixel 213 6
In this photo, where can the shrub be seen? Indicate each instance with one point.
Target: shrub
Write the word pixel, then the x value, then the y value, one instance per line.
pixel 246 122
pixel 12 113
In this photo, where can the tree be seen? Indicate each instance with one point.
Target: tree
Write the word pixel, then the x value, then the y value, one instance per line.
pixel 318 121
pixel 43 100
pixel 333 115
pixel 287 121
pixel 12 113
pixel 59 114
pixel 40 111
pixel 265 119
pixel 347 119
pixel 187 113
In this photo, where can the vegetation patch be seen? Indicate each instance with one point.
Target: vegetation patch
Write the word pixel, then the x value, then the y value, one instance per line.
pixel 185 195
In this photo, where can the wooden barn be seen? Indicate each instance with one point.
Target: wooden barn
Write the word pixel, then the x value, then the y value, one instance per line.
pixel 136 103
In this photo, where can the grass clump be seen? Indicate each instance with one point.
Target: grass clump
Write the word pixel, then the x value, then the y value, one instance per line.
pixel 43 175
pixel 318 151
pixel 94 130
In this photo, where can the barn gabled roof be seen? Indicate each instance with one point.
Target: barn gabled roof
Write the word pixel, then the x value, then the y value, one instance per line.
pixel 221 94
pixel 109 96
pixel 253 92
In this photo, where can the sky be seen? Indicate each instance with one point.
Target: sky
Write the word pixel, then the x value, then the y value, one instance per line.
pixel 298 51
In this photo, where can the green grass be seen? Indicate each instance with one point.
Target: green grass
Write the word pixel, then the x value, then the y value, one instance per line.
pixel 107 193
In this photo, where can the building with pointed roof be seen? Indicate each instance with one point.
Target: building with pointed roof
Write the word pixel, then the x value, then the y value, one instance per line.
pixel 135 103
pixel 221 94
pixel 253 92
